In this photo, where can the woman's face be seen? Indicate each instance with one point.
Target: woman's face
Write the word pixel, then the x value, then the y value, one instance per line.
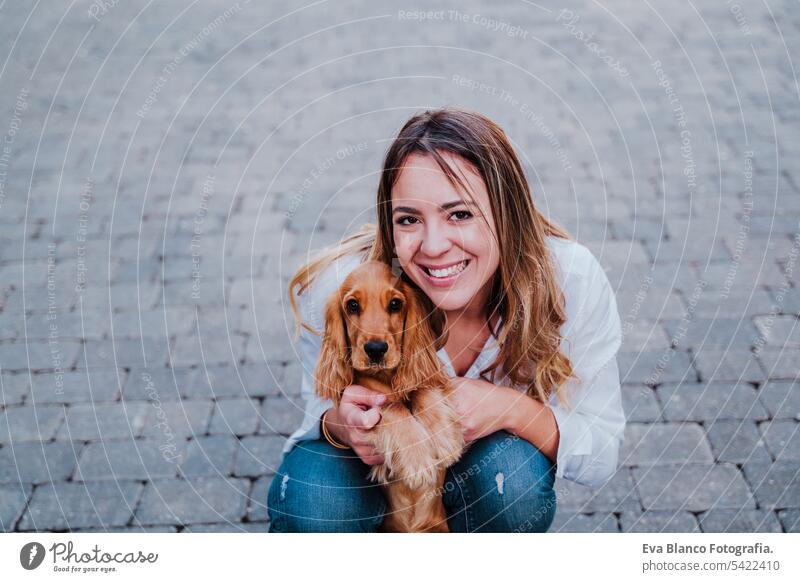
pixel 444 241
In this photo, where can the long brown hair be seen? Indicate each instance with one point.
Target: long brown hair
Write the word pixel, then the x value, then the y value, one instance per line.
pixel 525 291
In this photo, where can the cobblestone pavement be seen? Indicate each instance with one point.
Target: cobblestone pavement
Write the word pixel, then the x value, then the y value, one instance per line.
pixel 164 168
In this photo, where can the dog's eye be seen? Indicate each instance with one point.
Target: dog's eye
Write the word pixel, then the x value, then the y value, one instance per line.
pixel 352 307
pixel 395 305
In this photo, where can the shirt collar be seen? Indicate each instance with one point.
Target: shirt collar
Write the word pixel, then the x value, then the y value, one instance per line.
pixel 488 354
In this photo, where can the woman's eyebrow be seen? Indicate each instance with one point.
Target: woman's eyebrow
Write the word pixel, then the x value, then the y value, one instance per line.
pixel 445 206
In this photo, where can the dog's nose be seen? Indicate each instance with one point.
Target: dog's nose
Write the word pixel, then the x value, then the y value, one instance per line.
pixel 375 350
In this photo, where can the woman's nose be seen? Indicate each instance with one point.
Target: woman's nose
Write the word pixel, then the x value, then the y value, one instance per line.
pixel 436 242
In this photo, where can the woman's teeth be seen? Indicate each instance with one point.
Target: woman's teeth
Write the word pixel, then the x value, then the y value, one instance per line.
pixel 448 272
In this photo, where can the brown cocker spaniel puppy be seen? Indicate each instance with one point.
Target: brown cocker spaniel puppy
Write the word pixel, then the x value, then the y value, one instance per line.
pixel 379 335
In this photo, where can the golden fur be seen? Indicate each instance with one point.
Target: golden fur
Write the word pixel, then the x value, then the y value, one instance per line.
pixel 418 433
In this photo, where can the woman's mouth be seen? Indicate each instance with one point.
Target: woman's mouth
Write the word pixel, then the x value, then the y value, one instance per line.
pixel 444 276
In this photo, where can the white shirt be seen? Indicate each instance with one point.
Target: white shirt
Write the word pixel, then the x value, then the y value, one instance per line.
pixel 591 432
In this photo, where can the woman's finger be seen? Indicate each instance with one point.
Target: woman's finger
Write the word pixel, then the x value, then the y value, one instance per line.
pixel 360 419
pixel 363 396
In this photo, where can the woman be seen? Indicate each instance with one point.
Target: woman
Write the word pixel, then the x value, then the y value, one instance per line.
pixel 532 329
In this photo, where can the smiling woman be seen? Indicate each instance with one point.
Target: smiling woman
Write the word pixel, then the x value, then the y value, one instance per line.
pixel 529 337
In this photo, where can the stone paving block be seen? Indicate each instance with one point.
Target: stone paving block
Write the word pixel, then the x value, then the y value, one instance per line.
pixel 37 462
pixel 291 382
pixel 75 325
pixel 781 364
pixel 715 303
pixel 153 324
pixel 14 388
pixel 276 343
pixel 39 355
pixel 279 415
pixel 787 300
pixel 258 455
pixel 780 331
pixel 728 366
pixel 142 296
pixel 68 505
pixel 571 496
pixel 664 444
pixel 125 353
pixel 684 251
pixel 653 304
pixel 209 349
pixel 158 384
pixel 233 527
pixel 13 501
pixel 126 272
pixel 211 456
pixel 739 521
pixel 641 278
pixel 201 500
pixel 181 418
pixel 640 404
pixel 181 293
pixel 716 333
pixel 238 416
pixel 140 459
pixel 642 335
pixel 659 522
pixel 618 494
pixel 746 272
pixel 790 519
pixel 693 487
pixel 129 529
pixel 565 522
pixel 737 441
pixel 257 507
pixel 34 295
pixel 656 367
pixel 782 438
pixel 619 252
pixel 27 423
pixel 781 399
pixel 238 381
pixel 103 421
pixel 77 386
pixel 776 485
pixel 708 402
pixel 12 324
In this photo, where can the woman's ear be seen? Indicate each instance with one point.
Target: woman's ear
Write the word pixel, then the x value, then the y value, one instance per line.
pixel 334 370
pixel 419 363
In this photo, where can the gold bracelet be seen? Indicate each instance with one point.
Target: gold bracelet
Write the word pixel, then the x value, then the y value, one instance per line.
pixel 328 436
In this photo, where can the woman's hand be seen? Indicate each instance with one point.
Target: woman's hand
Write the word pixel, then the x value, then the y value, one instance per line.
pixel 358 412
pixel 483 407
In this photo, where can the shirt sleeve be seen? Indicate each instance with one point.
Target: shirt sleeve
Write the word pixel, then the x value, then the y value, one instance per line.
pixel 592 426
pixel 311 305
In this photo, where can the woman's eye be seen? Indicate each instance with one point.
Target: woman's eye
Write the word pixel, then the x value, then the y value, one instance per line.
pixel 352 307
pixel 402 220
pixel 461 215
pixel 395 305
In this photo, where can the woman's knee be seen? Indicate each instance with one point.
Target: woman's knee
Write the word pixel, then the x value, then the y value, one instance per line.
pixel 319 488
pixel 502 484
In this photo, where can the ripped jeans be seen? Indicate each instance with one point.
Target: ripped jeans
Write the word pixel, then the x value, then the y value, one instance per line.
pixel 501 484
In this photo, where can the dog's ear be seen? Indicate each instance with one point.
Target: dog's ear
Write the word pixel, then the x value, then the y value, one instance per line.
pixel 334 370
pixel 419 363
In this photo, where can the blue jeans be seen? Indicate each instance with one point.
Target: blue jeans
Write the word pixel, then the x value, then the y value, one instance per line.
pixel 501 484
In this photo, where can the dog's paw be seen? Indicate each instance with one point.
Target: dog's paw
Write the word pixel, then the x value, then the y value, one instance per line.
pixel 417 470
pixel 450 447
